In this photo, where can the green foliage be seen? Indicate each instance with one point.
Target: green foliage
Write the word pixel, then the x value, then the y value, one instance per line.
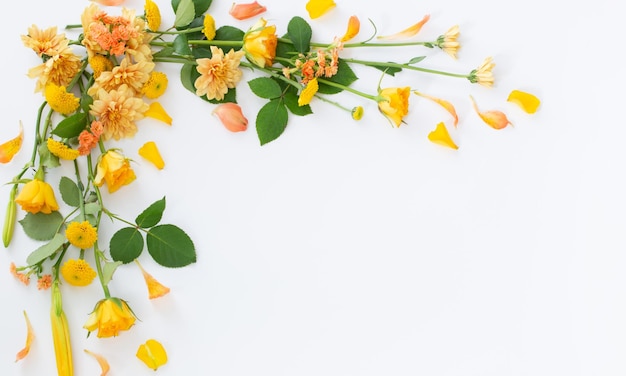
pixel 285 50
pixel 107 271
pixel 41 226
pixel 46 250
pixel 300 32
pixel 271 120
pixel 188 75
pixel 345 76
pixel 170 246
pixel 200 6
pixel 291 101
pixel 265 87
pixel 69 192
pixel 126 245
pixel 229 33
pixel 46 158
pixel 85 102
pixel 181 45
pixel 185 13
pixel 71 126
pixel 152 215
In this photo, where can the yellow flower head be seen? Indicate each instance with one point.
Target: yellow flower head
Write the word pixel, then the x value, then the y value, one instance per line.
pixel 393 102
pixel 118 110
pixel 114 169
pixel 260 42
pixel 448 42
pixel 152 353
pixel 483 75
pixel 44 42
pixel 78 272
pixel 208 27
pixel 37 196
pixel 81 234
pixel 218 74
pixel 61 150
pixel 357 113
pixel 100 63
pixel 60 100
pixel 109 317
pixel 59 69
pixel 153 15
pixel 309 91
pixel 134 75
pixel 155 86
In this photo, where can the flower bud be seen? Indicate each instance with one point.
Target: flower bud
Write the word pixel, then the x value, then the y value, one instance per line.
pixel 9 218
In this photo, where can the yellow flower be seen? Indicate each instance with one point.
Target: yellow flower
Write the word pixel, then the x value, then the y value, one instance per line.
pixel 37 196
pixel 317 8
pixel 60 100
pixel 260 42
pixel 81 234
pixel 218 74
pixel 128 73
pixel 441 136
pixel 109 317
pixel 357 113
pixel 494 119
pixel 104 364
pixel 114 169
pixel 118 110
pixel 208 28
pixel 150 151
pixel 44 42
pixel 483 75
pixel 152 353
pixel 528 102
pixel 155 86
pixel 61 150
pixel 100 63
pixel 156 111
pixel 10 148
pixel 30 335
pixel 309 91
pixel 394 103
pixel 153 15
pixel 155 288
pixel 58 69
pixel 448 42
pixel 354 25
pixel 408 32
pixel 78 272
pixel 60 333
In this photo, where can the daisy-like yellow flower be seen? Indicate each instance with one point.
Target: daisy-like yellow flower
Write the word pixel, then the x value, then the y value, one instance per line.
pixel 78 272
pixel 153 15
pixel 44 42
pixel 219 73
pixel 309 91
pixel 81 234
pixel 483 75
pixel 448 42
pixel 59 69
pixel 208 28
pixel 133 75
pixel 155 86
pixel 100 63
pixel 118 110
pixel 61 150
pixel 60 100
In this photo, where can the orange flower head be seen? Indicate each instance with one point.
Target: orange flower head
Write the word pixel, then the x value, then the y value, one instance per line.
pixel 114 170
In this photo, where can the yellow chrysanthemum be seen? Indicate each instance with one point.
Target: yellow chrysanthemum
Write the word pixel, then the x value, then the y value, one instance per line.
pixel 483 75
pixel 61 150
pixel 100 63
pixel 78 272
pixel 59 69
pixel 155 86
pixel 153 15
pixel 118 110
pixel 60 100
pixel 309 91
pixel 44 42
pixel 81 234
pixel 209 27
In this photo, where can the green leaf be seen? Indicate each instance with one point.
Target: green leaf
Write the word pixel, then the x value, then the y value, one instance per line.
pixel 152 215
pixel 417 59
pixel 229 33
pixel 265 87
pixel 291 101
pixel 230 96
pixel 71 126
pixel 188 75
pixel 170 246
pixel 85 102
pixel 69 191
pixel 185 13
pixel 285 50
pixel 46 158
pixel 46 250
pixel 181 46
pixel 41 226
pixel 126 245
pixel 108 270
pixel 345 76
pixel 92 208
pixel 271 121
pixel 299 32
pixel 164 52
pixel 387 70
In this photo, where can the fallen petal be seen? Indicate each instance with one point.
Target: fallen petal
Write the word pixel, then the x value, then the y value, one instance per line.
pixel 441 136
pixel 245 11
pixel 409 32
pixel 156 111
pixel 150 152
pixel 110 3
pixel 155 288
pixel 152 353
pixel 494 119
pixel 231 116
pixel 528 102
pixel 443 103
pixel 11 147
pixel 354 25
pixel 30 335
pixel 104 365
pixel 317 8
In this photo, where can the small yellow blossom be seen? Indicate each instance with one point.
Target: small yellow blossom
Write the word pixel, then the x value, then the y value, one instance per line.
pixel 81 234
pixel 104 364
pixel 448 42
pixel 483 75
pixel 155 288
pixel 317 8
pixel 109 317
pixel 153 15
pixel 494 119
pixel 309 91
pixel 100 63
pixel 37 196
pixel 155 86
pixel 78 272
pixel 208 27
pixel 408 32
pixel 357 113
pixel 152 353
pixel 30 336
pixel 61 150
pixel 441 136
pixel 218 73
pixel 60 100
pixel 354 25
pixel 527 101
pixel 10 148
pixel 150 152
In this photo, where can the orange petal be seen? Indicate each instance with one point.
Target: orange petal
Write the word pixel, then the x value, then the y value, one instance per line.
pixel 494 119
pixel 231 116
pixel 354 25
pixel 110 3
pixel 150 152
pixel 317 8
pixel 443 103
pixel 11 147
pixel 441 136
pixel 30 335
pixel 245 11
pixel 528 102
pixel 407 33
pixel 155 288
pixel 102 361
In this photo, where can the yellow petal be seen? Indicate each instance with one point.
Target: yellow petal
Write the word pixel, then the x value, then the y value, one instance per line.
pixel 156 111
pixel 441 136
pixel 443 103
pixel 528 102
pixel 494 119
pixel 101 361
pixel 354 25
pixel 152 354
pixel 409 32
pixel 317 8
pixel 11 147
pixel 30 335
pixel 150 152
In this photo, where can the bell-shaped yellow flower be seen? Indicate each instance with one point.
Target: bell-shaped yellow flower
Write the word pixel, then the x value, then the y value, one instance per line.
pixel 114 169
pixel 37 196
pixel 152 353
pixel 109 317
pixel 393 102
pixel 259 43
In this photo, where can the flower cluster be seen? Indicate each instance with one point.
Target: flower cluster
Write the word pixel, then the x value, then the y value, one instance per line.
pixel 99 83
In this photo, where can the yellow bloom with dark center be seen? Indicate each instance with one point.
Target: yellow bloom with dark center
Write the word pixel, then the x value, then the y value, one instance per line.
pixel 109 317
pixel 81 234
pixel 155 86
pixel 260 42
pixel 78 272
pixel 114 170
pixel 100 63
pixel 61 150
pixel 60 100
pixel 153 15
pixel 309 91
pixel 208 28
pixel 37 196
pixel 152 353
pixel 394 103
pixel 218 74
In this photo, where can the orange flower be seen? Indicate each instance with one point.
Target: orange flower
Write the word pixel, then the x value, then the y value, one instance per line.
pixel 354 25
pixel 11 147
pixel 259 43
pixel 393 102
pixel 494 119
pixel 218 73
pixel 44 282
pixel 409 32
pixel 245 11
pixel 441 136
pixel 114 169
pixel 24 278
pixel 231 116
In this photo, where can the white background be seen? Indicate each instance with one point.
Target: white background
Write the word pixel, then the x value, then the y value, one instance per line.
pixel 353 248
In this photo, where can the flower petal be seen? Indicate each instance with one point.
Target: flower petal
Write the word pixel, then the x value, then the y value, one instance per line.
pixel 155 288
pixel 443 103
pixel 409 32
pixel 101 361
pixel 150 152
pixel 317 8
pixel 11 147
pixel 245 11
pixel 152 353
pixel 30 335
pixel 494 119
pixel 109 3
pixel 528 102
pixel 231 116
pixel 156 111
pixel 441 136
pixel 354 25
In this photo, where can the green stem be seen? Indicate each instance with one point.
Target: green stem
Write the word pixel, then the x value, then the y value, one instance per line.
pixel 405 66
pixel 347 88
pixel 98 256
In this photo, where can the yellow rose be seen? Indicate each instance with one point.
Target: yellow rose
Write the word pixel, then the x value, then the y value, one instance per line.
pixel 109 317
pixel 259 43
pixel 114 170
pixel 393 102
pixel 37 196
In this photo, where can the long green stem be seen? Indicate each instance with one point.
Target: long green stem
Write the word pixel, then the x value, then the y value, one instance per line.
pixel 406 66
